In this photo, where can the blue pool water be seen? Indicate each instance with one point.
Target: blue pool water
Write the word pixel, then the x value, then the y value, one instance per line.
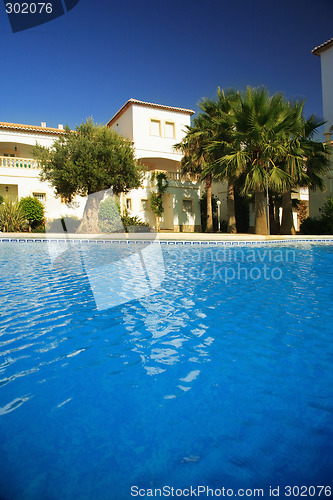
pixel 221 376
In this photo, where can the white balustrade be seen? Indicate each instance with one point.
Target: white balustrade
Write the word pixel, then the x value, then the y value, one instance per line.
pixel 176 175
pixel 14 162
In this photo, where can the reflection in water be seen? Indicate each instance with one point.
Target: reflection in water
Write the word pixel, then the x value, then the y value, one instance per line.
pixel 49 317
pixel 178 333
pixel 164 332
pixel 127 272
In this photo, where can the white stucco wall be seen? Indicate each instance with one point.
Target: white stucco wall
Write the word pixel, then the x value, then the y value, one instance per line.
pixel 27 183
pixel 124 124
pixel 148 145
pixel 21 137
pixel 181 217
pixel 21 182
pixel 158 153
pixel 317 198
pixel 326 59
pixel 174 214
pixel 220 189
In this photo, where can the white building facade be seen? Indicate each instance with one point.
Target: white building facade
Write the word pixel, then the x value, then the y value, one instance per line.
pixel 154 130
pixel 19 172
pixel 325 52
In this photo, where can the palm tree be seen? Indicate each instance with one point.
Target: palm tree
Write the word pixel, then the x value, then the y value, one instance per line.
pixel 253 136
pixel 293 164
pixel 206 142
pixel 309 162
pixel 261 124
pixel 267 124
pixel 221 115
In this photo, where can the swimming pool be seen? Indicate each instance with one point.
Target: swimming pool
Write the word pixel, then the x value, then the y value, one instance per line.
pixel 219 376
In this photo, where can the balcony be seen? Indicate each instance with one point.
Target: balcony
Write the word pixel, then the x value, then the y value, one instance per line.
pixel 14 162
pixel 176 175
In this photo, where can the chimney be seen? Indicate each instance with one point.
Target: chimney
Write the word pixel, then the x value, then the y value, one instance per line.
pixel 43 124
pixel 60 126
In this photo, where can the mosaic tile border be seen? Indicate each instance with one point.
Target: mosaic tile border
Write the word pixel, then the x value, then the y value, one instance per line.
pixel 167 242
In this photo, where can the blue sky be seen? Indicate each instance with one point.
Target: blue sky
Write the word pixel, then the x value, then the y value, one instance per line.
pixel 90 61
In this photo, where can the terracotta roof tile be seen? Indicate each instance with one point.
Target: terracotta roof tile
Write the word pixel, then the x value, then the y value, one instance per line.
pixel 31 128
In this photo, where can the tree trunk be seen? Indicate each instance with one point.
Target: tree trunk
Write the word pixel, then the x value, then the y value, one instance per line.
pixel 277 215
pixel 158 222
pixel 209 226
pixel 287 224
pixel 231 210
pixel 89 223
pixel 274 215
pixel 260 226
pixel 271 215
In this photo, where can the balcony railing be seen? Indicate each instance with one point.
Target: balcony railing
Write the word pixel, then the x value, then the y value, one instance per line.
pixel 14 162
pixel 177 175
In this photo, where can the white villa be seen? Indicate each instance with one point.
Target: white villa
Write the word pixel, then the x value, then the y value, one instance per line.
pixel 325 52
pixel 153 129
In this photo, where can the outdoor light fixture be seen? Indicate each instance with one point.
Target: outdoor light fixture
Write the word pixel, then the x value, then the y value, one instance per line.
pixel 6 189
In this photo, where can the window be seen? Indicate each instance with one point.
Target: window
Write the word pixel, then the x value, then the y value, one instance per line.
pixel 128 204
pixel 155 128
pixel 9 155
pixel 144 205
pixel 188 205
pixel 169 130
pixel 39 196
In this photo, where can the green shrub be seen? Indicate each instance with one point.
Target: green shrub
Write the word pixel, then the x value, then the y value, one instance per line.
pixel 12 217
pixel 109 219
pixel 68 224
pixel 322 224
pixel 1 200
pixel 156 199
pixel 327 210
pixel 40 228
pixel 133 224
pixel 33 210
pixel 313 225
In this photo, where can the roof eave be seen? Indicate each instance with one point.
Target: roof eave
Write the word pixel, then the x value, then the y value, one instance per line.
pixel 321 48
pixel 30 128
pixel 132 101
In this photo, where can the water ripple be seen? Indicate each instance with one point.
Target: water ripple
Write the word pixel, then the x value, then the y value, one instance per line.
pixel 13 405
pixel 234 378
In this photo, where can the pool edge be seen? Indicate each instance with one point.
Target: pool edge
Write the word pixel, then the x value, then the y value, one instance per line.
pixel 167 238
